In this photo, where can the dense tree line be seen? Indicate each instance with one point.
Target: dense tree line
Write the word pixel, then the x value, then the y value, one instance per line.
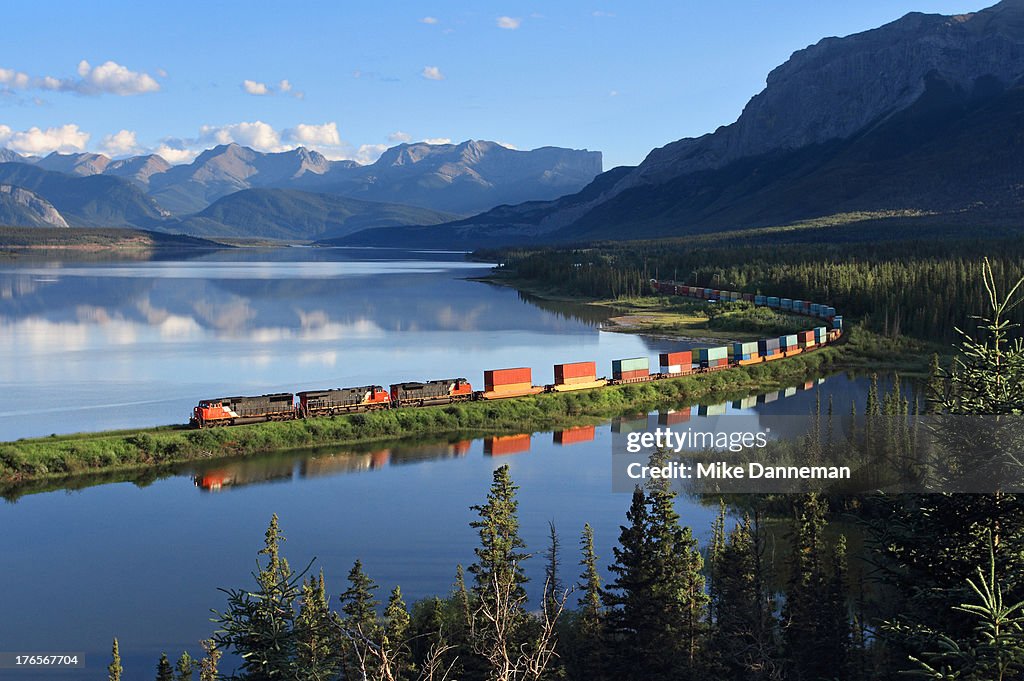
pixel 922 289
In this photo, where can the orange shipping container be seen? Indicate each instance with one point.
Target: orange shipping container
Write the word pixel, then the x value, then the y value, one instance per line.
pixel 564 372
pixel 506 444
pixel 668 359
pixel 496 377
pixel 574 435
pixel 509 388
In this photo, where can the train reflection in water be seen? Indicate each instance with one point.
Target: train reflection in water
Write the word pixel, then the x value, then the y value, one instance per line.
pixel 294 466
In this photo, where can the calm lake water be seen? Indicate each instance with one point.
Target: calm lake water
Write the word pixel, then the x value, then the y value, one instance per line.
pixel 95 346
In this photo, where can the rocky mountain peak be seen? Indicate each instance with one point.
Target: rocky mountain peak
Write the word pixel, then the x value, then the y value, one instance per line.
pixel 839 86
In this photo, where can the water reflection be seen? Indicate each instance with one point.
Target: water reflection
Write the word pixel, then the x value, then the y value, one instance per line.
pixel 746 413
pixel 162 334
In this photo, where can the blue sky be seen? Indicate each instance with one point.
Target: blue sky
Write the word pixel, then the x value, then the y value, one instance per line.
pixel 621 78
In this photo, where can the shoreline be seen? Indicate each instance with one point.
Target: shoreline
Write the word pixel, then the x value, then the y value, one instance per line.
pixel 53 458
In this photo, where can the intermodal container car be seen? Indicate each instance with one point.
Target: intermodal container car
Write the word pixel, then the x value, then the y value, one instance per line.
pixel 676 362
pixel 576 372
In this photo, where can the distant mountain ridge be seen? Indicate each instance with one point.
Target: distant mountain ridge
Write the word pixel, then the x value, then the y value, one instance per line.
pixel 21 207
pixel 290 214
pixel 923 114
pixel 461 178
pixel 90 201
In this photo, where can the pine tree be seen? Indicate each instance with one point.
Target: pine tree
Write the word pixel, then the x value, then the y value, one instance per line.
pixel 499 555
pixel 656 603
pixel 498 620
pixel 208 665
pixel 586 657
pixel 810 616
pixel 552 583
pixel 396 636
pixel 114 669
pixel 259 624
pixel 590 581
pixel 163 669
pixel 359 622
pixel 185 667
pixel 681 574
pixel 314 631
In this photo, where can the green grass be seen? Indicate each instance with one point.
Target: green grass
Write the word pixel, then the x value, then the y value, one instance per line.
pixel 65 456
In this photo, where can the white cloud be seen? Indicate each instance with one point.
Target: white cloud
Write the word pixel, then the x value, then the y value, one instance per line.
pixel 259 89
pixel 511 23
pixel 255 88
pixel 110 78
pixel 398 137
pixel 368 153
pixel 107 78
pixel 121 143
pixel 428 20
pixel 66 138
pixel 438 140
pixel 509 146
pixel 175 154
pixel 257 135
pixel 432 73
pixel 601 13
pixel 613 93
pixel 5 132
pixel 314 135
pixel 14 79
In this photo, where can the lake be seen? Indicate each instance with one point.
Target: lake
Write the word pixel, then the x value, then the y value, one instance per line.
pixel 102 345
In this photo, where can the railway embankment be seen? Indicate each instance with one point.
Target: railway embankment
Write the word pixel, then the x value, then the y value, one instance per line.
pixel 56 457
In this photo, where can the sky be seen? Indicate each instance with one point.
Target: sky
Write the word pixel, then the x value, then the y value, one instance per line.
pixel 350 79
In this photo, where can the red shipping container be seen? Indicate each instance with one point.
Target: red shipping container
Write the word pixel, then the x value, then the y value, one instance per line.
pixel 575 370
pixel 668 359
pixel 639 373
pixel 506 444
pixel 573 435
pixel 497 377
pixel 806 336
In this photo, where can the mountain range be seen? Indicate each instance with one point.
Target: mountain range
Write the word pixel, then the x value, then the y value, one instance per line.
pixel 455 180
pixel 923 116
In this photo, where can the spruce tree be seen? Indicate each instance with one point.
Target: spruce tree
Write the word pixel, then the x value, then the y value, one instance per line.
pixel 656 619
pixel 680 571
pixel 586 657
pixel 259 624
pixel 499 555
pixel 396 636
pixel 552 582
pixel 498 618
pixel 208 665
pixel 814 648
pixel 359 622
pixel 185 667
pixel 314 631
pixel 164 672
pixel 114 669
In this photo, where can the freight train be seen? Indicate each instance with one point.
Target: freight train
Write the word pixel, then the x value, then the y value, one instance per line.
pixel 517 382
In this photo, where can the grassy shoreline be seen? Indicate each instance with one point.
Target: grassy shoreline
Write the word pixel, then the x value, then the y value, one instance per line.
pixel 863 350
pixel 52 458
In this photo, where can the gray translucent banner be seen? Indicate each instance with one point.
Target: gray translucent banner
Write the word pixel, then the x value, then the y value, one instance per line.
pixel 752 453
